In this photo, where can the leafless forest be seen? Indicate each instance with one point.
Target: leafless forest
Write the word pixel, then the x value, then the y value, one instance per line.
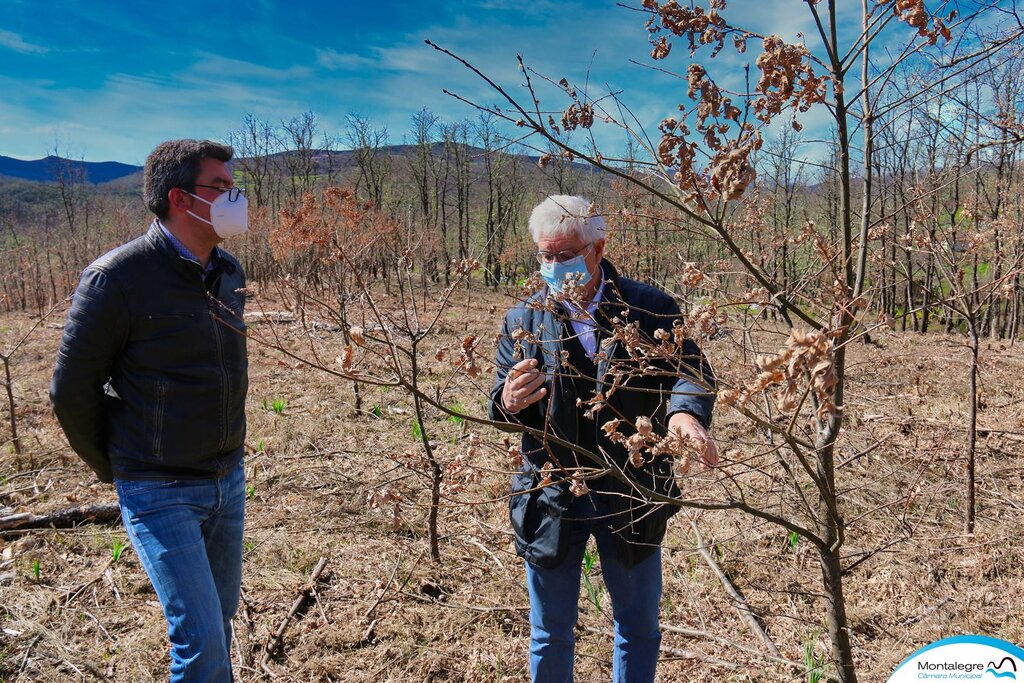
pixel 843 226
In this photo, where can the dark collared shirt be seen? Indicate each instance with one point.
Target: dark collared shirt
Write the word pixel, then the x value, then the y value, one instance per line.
pixel 184 253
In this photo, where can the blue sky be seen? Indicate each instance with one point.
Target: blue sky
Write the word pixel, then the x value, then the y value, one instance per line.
pixel 109 80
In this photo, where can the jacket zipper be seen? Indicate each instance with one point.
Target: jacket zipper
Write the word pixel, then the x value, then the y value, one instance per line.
pixel 223 375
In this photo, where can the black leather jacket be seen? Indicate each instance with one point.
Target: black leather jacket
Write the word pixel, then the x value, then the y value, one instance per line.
pixel 656 389
pixel 152 371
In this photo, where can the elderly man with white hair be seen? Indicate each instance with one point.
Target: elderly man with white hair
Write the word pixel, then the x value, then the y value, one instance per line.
pixel 554 385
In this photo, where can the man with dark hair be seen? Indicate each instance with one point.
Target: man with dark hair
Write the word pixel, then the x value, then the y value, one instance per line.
pixel 590 351
pixel 150 386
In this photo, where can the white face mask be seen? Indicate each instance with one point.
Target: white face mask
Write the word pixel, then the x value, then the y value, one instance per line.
pixel 228 217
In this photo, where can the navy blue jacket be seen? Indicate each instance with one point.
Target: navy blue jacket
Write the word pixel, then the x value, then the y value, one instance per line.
pixel 152 371
pixel 656 388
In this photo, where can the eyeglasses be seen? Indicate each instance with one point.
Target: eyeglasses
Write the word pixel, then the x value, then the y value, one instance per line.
pixel 233 192
pixel 562 256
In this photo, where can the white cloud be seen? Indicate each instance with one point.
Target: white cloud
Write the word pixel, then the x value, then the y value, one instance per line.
pixel 225 68
pixel 343 61
pixel 13 41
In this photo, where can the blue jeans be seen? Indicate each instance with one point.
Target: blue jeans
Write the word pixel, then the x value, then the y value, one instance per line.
pixel 188 536
pixel 554 603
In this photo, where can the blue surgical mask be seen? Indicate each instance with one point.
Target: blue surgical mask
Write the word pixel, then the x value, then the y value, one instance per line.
pixel 556 273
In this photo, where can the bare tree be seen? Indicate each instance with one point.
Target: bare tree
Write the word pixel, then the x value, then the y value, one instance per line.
pixel 372 158
pixel 255 143
pixel 299 162
pixel 725 129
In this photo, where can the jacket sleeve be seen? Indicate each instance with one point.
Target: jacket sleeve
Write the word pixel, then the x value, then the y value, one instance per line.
pixel 95 331
pixel 694 389
pixel 530 416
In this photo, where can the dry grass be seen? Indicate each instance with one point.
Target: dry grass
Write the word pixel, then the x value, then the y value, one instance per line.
pixel 386 613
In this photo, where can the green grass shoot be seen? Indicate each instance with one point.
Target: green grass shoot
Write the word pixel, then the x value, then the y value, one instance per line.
pixel 456 419
pixel 593 592
pixel 116 548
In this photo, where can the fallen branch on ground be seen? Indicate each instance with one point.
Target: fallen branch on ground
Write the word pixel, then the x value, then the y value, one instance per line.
pixel 694 633
pixel 748 615
pixel 104 513
pixel 275 643
pixel 681 654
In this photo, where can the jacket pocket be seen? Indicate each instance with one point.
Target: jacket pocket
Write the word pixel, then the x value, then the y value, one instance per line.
pixel 522 482
pixel 160 326
pixel 159 408
pixel 541 534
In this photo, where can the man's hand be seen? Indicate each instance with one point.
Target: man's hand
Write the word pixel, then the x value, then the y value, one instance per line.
pixel 524 386
pixel 688 427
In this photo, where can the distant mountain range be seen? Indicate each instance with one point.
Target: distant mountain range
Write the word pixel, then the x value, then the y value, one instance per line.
pixel 50 169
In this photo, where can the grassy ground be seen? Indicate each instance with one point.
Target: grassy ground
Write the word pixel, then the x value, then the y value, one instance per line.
pixel 385 612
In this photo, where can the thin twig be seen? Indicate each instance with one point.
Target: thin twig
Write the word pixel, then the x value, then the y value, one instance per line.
pixel 751 619
pixel 482 547
pixel 695 633
pixel 275 643
pixel 384 592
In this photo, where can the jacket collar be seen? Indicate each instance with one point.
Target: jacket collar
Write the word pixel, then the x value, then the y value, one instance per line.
pixel 156 237
pixel 610 304
pixel 550 337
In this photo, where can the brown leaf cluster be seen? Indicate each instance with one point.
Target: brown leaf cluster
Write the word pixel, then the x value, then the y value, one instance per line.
pixel 810 232
pixel 757 295
pixel 915 237
pixel 879 231
pixel 578 116
pixel 630 336
pixel 357 336
pixel 916 15
pixel 786 78
pixel 711 102
pixel 459 472
pixel 733 172
pixel 463 267
pixel 515 455
pixel 805 365
pixel 729 171
pixel 467 361
pixel 387 498
pixel 577 485
pixel 345 360
pixel 699 27
pixel 644 445
pixel 704 321
pixel 331 227
pixel 692 276
pixel 533 283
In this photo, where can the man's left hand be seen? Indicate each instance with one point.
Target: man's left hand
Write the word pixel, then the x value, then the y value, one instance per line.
pixel 689 427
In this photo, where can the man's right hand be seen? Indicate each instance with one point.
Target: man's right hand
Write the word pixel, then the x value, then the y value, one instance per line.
pixel 524 386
